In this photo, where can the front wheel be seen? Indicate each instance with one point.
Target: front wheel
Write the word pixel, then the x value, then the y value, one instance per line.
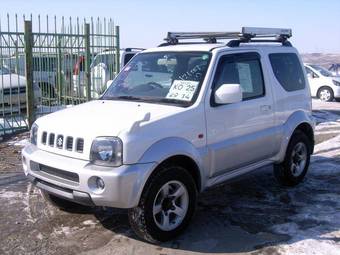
pixel 295 165
pixel 166 206
pixel 326 94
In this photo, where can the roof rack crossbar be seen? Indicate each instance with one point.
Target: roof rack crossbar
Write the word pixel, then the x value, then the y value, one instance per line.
pixel 247 34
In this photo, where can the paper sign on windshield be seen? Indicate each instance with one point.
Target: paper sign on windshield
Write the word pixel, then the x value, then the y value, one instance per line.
pixel 182 90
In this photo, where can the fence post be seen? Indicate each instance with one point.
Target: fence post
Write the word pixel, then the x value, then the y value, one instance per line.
pixel 117 50
pixel 28 38
pixel 87 62
pixel 59 86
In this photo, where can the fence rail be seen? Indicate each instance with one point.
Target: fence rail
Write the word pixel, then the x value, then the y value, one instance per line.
pixel 47 64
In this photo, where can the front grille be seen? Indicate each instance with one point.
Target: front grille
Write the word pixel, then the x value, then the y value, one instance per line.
pixel 80 145
pixel 63 142
pixel 14 91
pixel 59 173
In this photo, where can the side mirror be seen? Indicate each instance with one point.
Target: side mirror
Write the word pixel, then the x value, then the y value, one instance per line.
pixel 228 94
pixel 310 76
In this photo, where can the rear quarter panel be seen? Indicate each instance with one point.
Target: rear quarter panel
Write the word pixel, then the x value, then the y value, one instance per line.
pixel 291 108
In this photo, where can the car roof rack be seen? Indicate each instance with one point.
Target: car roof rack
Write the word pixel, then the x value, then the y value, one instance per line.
pixel 247 35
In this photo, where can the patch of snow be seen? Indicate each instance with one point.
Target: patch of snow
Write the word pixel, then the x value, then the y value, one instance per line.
pixel 65 230
pixel 10 194
pixel 89 222
pixel 311 247
pixel 40 236
pixel 21 143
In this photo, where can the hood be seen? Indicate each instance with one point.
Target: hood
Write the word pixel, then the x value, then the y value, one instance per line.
pixel 98 118
pixel 12 81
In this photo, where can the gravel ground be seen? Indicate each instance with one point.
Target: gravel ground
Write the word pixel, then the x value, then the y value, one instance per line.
pixel 251 215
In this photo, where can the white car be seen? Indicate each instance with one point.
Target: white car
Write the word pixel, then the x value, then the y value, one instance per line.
pixel 13 92
pixel 45 67
pixel 323 84
pixel 176 120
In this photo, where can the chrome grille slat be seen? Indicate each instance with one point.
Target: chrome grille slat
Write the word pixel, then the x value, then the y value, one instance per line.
pixel 44 138
pixel 69 143
pixel 51 139
pixel 80 145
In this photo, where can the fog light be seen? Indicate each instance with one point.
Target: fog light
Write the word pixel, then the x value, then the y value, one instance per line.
pixel 100 183
pixel 96 184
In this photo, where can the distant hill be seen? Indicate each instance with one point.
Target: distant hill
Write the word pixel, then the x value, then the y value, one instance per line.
pixel 324 59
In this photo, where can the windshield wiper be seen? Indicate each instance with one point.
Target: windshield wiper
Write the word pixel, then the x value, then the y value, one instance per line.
pixel 150 100
pixel 173 101
pixel 132 98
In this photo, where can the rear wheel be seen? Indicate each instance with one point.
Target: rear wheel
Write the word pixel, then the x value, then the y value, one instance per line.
pixel 167 204
pixel 295 165
pixel 326 94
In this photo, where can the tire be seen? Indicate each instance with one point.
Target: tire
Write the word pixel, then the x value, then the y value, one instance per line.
pixel 295 165
pixel 326 94
pixel 149 217
pixel 60 203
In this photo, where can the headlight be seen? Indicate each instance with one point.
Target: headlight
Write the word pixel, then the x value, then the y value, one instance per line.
pixel 34 134
pixel 336 83
pixel 107 151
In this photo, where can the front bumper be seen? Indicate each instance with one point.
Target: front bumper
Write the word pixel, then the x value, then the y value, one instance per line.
pixel 73 179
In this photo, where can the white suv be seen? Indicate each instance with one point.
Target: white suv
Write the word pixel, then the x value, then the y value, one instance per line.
pixel 178 119
pixel 322 83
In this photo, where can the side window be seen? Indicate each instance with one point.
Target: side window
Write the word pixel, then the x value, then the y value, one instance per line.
pixel 244 69
pixel 288 71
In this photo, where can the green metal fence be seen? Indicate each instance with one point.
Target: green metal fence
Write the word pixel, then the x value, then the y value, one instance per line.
pixel 48 63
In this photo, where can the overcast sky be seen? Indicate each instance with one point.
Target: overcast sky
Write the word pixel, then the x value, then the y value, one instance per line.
pixel 315 23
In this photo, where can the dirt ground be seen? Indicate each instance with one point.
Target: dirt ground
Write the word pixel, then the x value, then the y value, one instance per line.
pixel 251 215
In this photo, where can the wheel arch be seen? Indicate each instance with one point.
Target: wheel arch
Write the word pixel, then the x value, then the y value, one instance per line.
pixel 180 151
pixel 307 129
pixel 186 162
pixel 299 120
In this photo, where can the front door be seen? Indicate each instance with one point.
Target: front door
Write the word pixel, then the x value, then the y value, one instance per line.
pixel 241 133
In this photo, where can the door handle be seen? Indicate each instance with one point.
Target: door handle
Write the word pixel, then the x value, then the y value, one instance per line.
pixel 265 108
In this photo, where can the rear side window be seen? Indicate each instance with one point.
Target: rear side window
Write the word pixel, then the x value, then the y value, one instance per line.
pixel 288 70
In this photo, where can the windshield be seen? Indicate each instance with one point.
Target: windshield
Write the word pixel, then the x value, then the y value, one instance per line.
pixel 166 77
pixel 322 71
